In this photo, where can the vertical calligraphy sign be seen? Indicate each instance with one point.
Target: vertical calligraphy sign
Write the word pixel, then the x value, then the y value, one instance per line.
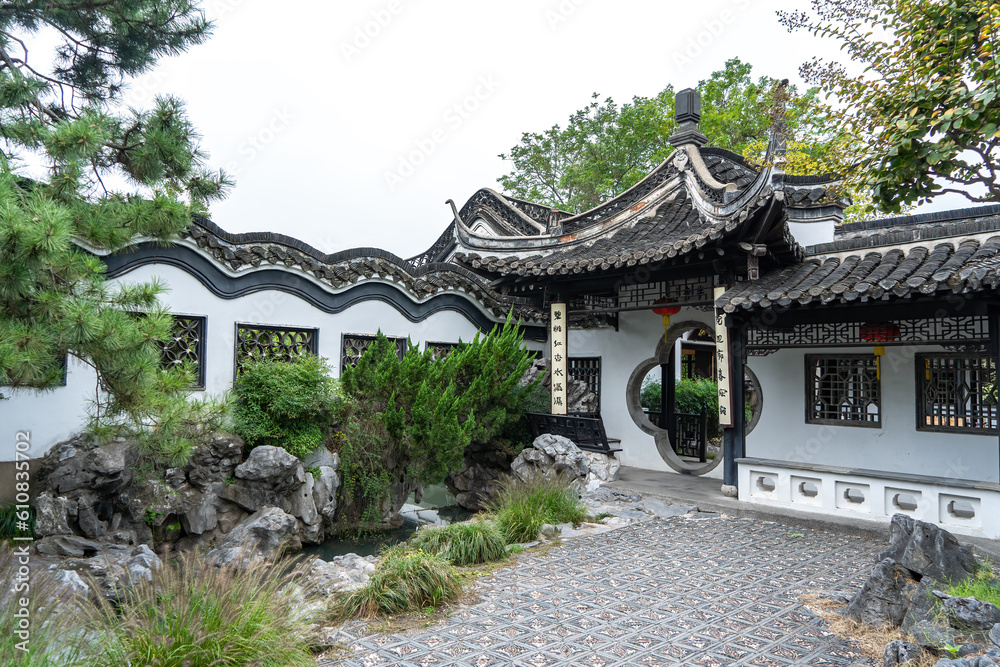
pixel 560 364
pixel 723 371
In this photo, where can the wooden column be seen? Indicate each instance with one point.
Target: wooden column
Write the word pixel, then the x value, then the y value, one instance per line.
pixel 729 347
pixel 993 322
pixel 559 353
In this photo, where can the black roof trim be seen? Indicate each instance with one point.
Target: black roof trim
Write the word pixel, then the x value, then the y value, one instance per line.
pixel 921 218
pixel 731 156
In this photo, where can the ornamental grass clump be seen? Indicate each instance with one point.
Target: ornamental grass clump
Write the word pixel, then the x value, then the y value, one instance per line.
pixel 522 507
pixel 404 581
pixel 49 624
pixel 463 544
pixel 198 615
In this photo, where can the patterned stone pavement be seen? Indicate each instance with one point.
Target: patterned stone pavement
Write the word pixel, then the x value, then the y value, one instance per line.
pixel 689 590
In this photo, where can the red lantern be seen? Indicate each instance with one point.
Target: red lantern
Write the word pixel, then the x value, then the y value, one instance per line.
pixel 665 312
pixel 879 332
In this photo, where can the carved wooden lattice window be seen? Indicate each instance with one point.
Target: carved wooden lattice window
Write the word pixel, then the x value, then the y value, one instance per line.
pixel 956 393
pixel 587 369
pixel 441 350
pixel 187 344
pixel 843 390
pixel 354 345
pixel 262 342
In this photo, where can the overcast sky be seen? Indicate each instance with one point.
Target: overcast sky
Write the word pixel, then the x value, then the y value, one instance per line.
pixel 350 123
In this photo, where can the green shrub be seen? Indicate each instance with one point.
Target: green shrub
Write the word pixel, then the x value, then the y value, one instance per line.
pixel 54 632
pixel 466 543
pixel 403 581
pixel 522 507
pixel 411 419
pixel 197 615
pixel 285 404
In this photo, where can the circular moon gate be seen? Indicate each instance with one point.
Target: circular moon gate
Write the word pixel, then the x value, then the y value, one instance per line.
pixel 660 435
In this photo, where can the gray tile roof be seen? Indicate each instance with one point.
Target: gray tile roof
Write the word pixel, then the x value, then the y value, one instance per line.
pixel 950 253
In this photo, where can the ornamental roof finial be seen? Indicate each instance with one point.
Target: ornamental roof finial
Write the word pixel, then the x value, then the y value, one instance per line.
pixel 687 108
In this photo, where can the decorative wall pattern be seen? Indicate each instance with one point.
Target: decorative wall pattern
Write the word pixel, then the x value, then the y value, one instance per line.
pixel 354 345
pixel 186 344
pixel 264 342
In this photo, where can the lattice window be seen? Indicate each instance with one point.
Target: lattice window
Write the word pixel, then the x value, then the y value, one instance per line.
pixel 441 350
pixel 943 331
pixel 262 342
pixel 354 345
pixel 680 292
pixel 186 344
pixel 587 369
pixel 956 393
pixel 843 390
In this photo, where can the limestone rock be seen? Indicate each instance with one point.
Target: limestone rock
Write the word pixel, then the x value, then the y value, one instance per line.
pixel 898 652
pixel 928 550
pixel 51 515
pixel 551 455
pixel 476 484
pixel 271 468
pixel 322 457
pixel 995 634
pixel 216 461
pixel 603 467
pixel 264 533
pixel 921 604
pixel 342 574
pixel 325 493
pixel 69 584
pixel 933 636
pixel 884 597
pixel 67 545
pixel 303 506
pixel 969 613
pixel 252 499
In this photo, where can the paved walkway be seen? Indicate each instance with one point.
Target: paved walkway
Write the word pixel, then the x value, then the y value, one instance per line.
pixel 697 589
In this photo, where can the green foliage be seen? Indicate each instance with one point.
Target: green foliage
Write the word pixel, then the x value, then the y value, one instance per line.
pixel 410 420
pixel 200 615
pixel 983 586
pixel 54 640
pixel 606 148
pixel 404 581
pixel 923 117
pixel 650 396
pixel 287 404
pixel 691 394
pixel 11 517
pixel 522 507
pixel 150 515
pixel 62 113
pixel 465 543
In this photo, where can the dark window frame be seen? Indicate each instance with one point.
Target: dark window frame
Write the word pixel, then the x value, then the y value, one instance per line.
pixel 202 337
pixel 401 346
pixel 596 371
pixel 312 343
pixel 814 391
pixel 435 345
pixel 961 407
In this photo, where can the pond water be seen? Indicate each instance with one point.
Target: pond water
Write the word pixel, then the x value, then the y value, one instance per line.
pixel 437 507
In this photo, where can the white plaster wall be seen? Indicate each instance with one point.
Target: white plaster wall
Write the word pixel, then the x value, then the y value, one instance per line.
pixel 783 434
pixel 635 341
pixel 49 416
pixel 53 416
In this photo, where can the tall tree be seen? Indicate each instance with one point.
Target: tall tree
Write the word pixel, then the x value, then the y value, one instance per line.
pixel 606 148
pixel 66 143
pixel 923 116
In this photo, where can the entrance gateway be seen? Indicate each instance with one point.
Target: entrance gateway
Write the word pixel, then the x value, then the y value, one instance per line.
pixel 701 223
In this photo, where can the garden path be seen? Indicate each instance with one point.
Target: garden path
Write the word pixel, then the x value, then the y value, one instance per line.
pixel 696 589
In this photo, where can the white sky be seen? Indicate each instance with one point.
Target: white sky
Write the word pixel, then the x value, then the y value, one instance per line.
pixel 311 117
